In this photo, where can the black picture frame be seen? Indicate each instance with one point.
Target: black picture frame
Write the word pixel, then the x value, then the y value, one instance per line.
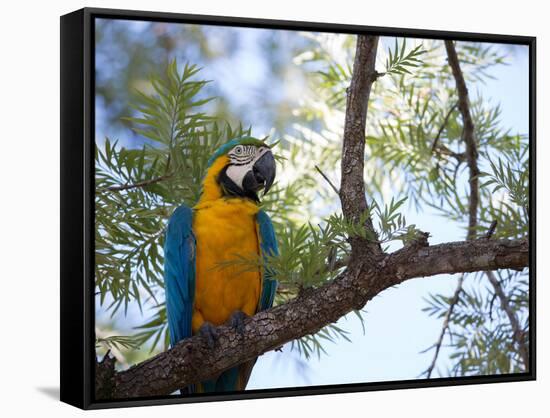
pixel 77 355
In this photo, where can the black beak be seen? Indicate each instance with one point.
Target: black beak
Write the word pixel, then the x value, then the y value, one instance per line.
pixel 262 174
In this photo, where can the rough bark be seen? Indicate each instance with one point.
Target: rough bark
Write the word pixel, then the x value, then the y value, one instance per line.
pixel 104 377
pixel 352 186
pixel 457 257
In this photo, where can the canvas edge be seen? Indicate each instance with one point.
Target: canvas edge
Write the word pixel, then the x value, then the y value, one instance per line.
pixel 72 114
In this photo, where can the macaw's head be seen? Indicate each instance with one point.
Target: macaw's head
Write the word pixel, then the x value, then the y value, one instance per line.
pixel 241 168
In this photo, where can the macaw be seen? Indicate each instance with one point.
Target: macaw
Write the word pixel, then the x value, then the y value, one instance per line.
pixel 227 221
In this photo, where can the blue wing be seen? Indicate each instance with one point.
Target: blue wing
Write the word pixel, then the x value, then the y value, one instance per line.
pixel 179 273
pixel 268 245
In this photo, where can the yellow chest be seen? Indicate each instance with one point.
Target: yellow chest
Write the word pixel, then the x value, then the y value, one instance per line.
pixel 225 229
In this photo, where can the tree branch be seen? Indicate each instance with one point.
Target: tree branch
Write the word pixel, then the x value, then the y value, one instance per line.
pixel 443 126
pixel 457 257
pixel 191 360
pixel 331 184
pixel 491 229
pixel 445 326
pixel 468 133
pixel 352 186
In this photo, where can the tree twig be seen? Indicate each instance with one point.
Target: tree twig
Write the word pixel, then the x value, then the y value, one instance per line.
pixel 143 183
pixel 328 180
pixel 491 229
pixel 445 326
pixel 443 126
pixel 517 333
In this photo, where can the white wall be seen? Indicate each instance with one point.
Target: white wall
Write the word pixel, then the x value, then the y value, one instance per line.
pixel 29 221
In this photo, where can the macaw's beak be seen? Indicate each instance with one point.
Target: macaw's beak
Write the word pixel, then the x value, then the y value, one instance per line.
pixel 262 174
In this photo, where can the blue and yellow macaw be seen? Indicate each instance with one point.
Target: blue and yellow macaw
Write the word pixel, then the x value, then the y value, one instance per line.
pixel 225 223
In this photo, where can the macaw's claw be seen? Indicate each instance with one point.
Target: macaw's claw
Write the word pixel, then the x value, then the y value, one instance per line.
pixel 209 333
pixel 236 321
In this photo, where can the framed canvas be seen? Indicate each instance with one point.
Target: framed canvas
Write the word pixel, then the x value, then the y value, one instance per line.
pixel 255 208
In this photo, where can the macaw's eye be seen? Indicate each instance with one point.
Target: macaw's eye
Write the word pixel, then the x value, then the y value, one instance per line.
pixel 238 150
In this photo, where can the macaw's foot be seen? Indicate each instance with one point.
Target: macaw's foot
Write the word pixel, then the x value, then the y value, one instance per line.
pixel 209 333
pixel 236 321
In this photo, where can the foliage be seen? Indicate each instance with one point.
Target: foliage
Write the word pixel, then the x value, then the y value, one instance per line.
pixel 398 61
pixel 514 180
pixel 312 344
pixel 117 341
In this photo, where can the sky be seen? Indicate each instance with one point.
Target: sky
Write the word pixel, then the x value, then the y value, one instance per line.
pixel 396 329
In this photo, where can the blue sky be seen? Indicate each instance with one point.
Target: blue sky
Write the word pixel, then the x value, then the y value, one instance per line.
pixel 396 329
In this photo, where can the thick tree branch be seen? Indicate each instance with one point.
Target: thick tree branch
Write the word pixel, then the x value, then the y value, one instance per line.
pixel 191 360
pixel 456 257
pixel 352 187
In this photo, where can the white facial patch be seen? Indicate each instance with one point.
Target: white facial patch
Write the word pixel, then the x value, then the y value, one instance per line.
pixel 237 172
pixel 242 158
